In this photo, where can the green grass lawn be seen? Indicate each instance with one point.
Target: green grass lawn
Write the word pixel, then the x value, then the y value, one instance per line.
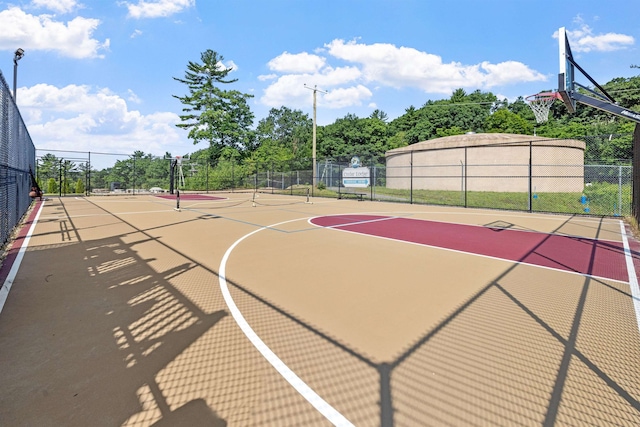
pixel 601 198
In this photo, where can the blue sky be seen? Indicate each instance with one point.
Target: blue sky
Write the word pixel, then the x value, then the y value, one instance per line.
pixel 98 75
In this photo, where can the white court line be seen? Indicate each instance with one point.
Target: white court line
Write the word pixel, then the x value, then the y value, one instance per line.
pixel 105 214
pixel 633 278
pixel 6 287
pixel 328 411
pixel 368 221
pixel 395 215
pixel 392 239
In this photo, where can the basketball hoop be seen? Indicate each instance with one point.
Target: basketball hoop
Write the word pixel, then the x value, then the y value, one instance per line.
pixel 541 103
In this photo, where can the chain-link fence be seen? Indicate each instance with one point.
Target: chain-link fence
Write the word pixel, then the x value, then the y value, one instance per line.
pixel 635 187
pixel 68 172
pixel 65 172
pixel 590 175
pixel 543 175
pixel 17 162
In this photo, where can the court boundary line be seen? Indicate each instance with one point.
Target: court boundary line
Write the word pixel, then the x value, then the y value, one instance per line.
pixel 631 271
pixel 13 272
pixel 368 221
pixel 104 214
pixel 322 406
pixel 399 215
pixel 481 255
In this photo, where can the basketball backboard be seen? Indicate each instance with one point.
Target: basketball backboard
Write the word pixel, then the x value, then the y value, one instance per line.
pixel 566 75
pixel 573 92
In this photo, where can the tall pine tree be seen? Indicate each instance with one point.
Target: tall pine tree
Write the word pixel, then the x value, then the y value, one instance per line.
pixel 221 117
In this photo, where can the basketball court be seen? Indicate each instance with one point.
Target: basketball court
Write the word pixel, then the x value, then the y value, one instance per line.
pixel 249 309
pixel 278 310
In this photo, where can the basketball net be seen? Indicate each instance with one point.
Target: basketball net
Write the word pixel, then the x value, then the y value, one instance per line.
pixel 540 104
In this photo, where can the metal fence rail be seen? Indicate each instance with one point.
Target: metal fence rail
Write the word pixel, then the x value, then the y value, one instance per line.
pixel 635 144
pixel 559 176
pixel 17 159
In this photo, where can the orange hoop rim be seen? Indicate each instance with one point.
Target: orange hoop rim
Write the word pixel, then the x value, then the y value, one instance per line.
pixel 543 96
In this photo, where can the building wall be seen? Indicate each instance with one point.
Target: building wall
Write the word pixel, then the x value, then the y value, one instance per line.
pixel 556 168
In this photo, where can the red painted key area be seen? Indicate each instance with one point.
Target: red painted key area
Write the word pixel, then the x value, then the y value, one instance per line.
pixel 581 255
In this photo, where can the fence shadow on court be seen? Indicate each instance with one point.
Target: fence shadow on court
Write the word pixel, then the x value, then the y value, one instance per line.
pixel 519 351
pixel 525 352
pixel 149 341
pixel 111 356
pixel 153 325
pixel 530 348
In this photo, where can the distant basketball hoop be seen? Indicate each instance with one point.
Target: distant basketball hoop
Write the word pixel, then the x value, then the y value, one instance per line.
pixel 175 171
pixel 540 104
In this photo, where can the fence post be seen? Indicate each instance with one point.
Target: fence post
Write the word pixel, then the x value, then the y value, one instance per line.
pixel 466 188
pixel 462 181
pixel 291 167
pixel 530 176
pixel 88 190
pixel 134 174
pixel 620 190
pixel 374 180
pixel 411 178
pixel 635 174
pixel 339 180
pixel 60 179
pixel 371 166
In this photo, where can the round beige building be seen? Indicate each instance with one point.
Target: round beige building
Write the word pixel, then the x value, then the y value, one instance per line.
pixel 488 162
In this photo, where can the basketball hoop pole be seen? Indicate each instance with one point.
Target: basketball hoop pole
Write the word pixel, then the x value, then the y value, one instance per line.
pixel 177 200
pixel 175 165
pixel 172 172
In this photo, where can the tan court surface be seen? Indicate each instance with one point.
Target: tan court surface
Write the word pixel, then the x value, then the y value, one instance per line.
pixel 117 318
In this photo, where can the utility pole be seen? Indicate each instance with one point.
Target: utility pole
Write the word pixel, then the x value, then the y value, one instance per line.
pixel 315 172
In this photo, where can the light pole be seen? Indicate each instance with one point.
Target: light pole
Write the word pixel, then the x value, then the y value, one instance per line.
pixel 19 53
pixel 315 174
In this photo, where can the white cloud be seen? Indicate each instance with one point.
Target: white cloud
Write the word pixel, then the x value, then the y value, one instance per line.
pixel 296 63
pixel 229 65
pixel 290 90
pixel 346 97
pixel 400 67
pixel 583 40
pixel 158 9
pixel 80 118
pixel 286 90
pixel 136 33
pixel 265 77
pixel 379 65
pixel 133 97
pixel 60 6
pixel 73 39
pixel 508 72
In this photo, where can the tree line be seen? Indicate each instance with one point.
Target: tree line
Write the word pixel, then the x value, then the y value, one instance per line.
pixel 222 121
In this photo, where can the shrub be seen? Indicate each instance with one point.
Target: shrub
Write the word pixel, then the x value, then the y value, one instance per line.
pixel 52 186
pixel 79 186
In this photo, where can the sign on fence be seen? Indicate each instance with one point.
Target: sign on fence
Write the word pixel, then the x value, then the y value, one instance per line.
pixel 356 175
